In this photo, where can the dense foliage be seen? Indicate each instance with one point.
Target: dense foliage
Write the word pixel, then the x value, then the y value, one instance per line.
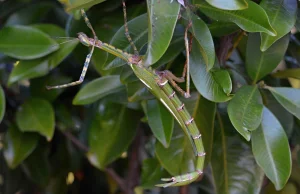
pixel 110 135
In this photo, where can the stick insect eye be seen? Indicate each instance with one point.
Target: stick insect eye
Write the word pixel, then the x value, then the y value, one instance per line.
pixel 84 39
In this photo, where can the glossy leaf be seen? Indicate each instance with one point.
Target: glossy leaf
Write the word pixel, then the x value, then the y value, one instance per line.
pixel 202 34
pixel 79 4
pixel 282 16
pixel 2 104
pixel 297 24
pixel 245 110
pixel 64 50
pixel 36 115
pixel 35 13
pixel 271 150
pixel 162 18
pixel 288 98
pixel 160 121
pixel 110 134
pixel 18 146
pixel 229 4
pixel 98 89
pixel 139 33
pixel 25 42
pixel 229 158
pixel 28 69
pixel 288 73
pixel 252 19
pixel 219 29
pixel 285 118
pixel 179 157
pixel 100 56
pixel 258 63
pixel 209 83
pixel 137 91
pixel 204 114
pixel 152 171
pixel 38 89
pixel 176 46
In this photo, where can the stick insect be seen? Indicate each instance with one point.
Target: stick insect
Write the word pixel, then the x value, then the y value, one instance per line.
pixel 158 83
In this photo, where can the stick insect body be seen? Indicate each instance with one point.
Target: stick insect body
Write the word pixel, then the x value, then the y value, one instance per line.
pixel 157 83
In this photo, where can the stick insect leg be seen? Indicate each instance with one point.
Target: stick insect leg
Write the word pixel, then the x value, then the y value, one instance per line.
pixel 87 60
pixel 186 70
pixel 187 64
pixel 127 31
pixel 173 79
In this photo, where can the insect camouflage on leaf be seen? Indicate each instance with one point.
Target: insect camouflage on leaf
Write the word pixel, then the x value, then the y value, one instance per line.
pixel 157 83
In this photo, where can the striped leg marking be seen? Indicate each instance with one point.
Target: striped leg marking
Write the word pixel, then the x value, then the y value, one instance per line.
pixel 81 78
pixel 87 60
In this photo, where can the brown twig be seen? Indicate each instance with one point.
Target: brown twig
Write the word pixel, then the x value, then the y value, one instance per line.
pixel 225 45
pixel 117 178
pixel 184 189
pixel 133 176
pixel 236 43
pixel 75 141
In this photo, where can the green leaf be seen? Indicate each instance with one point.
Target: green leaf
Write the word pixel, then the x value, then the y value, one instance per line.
pixel 39 67
pixel 202 34
pixel 139 33
pixel 288 98
pixel 100 56
pixel 18 146
pixel 229 4
pixel 288 73
pixel 258 63
pixel 25 42
pixel 252 19
pixel 25 15
pixel 152 171
pixel 282 15
pixel 175 47
pixel 110 134
pixel 38 89
pixel 219 29
pixel 37 168
pixel 214 85
pixel 179 157
pixel 271 150
pixel 232 161
pixel 160 120
pixel 28 69
pixel 2 104
pixel 245 110
pixel 204 114
pixel 162 18
pixel 137 91
pixel 285 118
pixel 297 24
pixel 79 4
pixel 98 89
pixel 36 115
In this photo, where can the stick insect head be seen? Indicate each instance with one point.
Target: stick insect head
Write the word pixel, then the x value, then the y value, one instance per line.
pixel 84 39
